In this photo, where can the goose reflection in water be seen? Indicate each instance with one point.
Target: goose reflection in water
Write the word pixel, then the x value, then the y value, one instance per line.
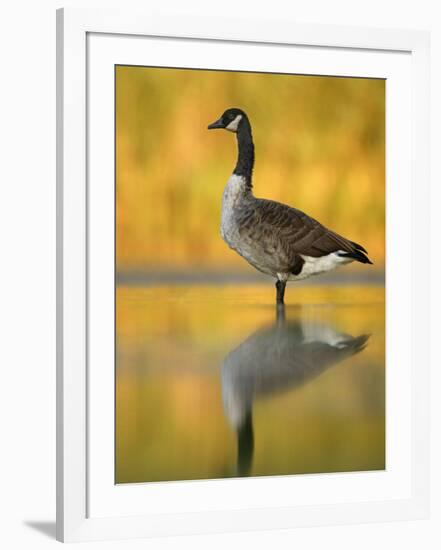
pixel 276 359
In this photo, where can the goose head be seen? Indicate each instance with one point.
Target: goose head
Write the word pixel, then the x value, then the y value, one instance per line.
pixel 231 120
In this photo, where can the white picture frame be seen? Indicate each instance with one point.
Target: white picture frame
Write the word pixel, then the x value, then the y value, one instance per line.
pixel 85 41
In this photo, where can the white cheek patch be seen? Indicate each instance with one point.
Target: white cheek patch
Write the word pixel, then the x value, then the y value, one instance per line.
pixel 234 124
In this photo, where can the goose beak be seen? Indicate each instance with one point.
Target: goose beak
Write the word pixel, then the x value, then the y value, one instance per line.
pixel 217 124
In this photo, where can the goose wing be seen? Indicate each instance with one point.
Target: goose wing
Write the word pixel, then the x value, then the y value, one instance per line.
pixel 299 234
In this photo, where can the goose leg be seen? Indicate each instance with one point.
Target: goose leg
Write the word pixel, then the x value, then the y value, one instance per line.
pixel 280 286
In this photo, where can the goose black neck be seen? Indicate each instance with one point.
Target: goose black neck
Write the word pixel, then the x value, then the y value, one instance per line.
pixel 245 159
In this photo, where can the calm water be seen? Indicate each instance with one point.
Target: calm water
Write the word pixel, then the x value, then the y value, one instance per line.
pixel 213 382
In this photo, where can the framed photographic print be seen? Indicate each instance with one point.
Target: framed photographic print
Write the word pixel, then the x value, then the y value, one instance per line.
pixel 242 323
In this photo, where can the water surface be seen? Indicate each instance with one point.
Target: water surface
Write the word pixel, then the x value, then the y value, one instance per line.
pixel 214 382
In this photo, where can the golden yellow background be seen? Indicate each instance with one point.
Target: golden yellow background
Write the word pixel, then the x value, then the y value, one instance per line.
pixel 320 146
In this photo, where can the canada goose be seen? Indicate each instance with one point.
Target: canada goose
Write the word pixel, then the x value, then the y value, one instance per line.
pixel 275 359
pixel 274 238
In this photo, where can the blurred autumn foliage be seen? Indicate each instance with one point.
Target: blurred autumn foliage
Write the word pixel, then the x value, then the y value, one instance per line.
pixel 320 146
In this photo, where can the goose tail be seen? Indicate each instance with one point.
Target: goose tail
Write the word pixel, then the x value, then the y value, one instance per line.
pixel 359 254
